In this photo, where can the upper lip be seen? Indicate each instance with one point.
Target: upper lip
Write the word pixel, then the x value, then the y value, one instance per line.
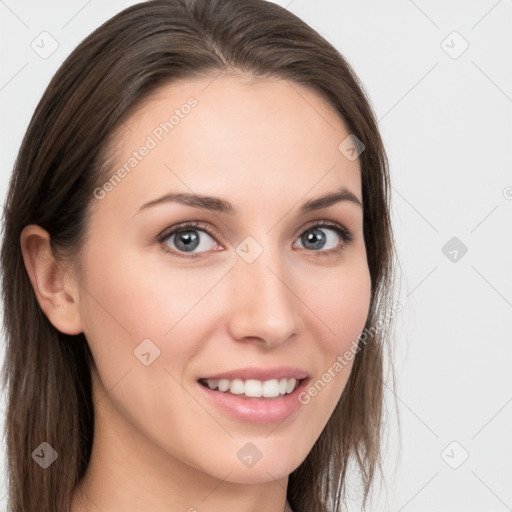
pixel 262 374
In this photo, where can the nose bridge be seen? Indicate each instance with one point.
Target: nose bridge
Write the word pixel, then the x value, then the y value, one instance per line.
pixel 264 305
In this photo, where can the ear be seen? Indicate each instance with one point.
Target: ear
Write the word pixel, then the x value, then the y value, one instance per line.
pixel 55 288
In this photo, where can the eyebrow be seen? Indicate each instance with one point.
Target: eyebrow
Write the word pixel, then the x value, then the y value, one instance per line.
pixel 216 204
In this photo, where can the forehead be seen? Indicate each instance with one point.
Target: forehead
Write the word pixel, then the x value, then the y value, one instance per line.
pixel 229 135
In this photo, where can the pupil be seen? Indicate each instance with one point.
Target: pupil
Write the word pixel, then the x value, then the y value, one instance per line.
pixel 187 240
pixel 316 237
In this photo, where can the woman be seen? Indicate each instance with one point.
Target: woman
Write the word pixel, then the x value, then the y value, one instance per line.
pixel 197 270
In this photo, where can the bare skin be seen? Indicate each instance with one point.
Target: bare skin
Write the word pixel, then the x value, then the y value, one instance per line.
pixel 267 148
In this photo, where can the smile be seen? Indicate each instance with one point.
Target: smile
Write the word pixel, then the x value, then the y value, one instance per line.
pixel 247 401
pixel 253 388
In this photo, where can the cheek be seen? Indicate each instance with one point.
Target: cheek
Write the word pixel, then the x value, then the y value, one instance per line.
pixel 338 307
pixel 129 300
pixel 340 301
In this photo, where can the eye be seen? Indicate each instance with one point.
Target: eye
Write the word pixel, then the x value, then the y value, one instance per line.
pixel 316 239
pixel 186 238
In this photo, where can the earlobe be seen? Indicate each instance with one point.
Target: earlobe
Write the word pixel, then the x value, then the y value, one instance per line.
pixel 56 290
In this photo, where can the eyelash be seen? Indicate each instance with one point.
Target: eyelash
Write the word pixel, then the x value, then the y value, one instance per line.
pixel 343 233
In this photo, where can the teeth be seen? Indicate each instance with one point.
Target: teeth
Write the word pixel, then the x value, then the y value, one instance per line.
pixel 254 388
pixel 212 383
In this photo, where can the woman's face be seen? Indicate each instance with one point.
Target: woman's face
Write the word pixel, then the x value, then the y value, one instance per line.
pixel 258 285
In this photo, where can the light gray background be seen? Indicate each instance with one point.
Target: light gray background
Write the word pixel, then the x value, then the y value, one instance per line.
pixel 446 120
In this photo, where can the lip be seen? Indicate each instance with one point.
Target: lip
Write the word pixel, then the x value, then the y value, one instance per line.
pixel 263 374
pixel 253 409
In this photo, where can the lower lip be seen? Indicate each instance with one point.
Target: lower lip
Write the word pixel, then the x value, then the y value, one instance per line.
pixel 256 410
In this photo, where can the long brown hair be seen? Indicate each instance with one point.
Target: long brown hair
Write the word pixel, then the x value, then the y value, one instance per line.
pixel 62 160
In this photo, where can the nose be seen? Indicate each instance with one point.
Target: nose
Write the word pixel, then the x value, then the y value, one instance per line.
pixel 264 306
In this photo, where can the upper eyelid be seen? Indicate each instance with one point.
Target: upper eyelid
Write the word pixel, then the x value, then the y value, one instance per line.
pixel 171 230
